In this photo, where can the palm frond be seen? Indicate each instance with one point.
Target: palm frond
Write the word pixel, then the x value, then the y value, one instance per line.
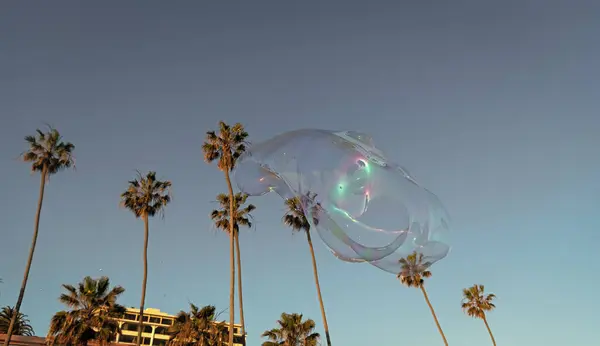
pixel 293 331
pixel 226 146
pixel 93 308
pixel 48 153
pixel 242 215
pixel 476 303
pixel 146 195
pixel 413 270
pixel 22 324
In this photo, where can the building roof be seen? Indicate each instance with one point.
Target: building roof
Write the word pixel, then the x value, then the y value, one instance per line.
pixel 18 340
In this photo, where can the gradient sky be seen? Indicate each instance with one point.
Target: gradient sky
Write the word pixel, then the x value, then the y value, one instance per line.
pixel 491 105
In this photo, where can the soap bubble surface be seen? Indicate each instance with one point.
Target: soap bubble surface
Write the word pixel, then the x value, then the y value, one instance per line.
pixel 364 207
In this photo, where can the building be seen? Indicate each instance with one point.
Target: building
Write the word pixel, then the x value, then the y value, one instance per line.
pixel 156 325
pixel 17 340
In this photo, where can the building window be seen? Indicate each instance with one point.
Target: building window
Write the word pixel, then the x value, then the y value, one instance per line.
pixel 130 326
pixel 155 320
pixel 147 329
pixel 145 318
pixel 161 330
pixel 126 339
pixel 130 317
pixel 159 342
pixel 146 341
pixel 167 321
pixel 239 340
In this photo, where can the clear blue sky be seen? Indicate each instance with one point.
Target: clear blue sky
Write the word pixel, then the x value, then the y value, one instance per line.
pixel 491 105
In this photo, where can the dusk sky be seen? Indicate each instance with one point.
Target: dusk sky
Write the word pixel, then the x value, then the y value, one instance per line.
pixel 492 105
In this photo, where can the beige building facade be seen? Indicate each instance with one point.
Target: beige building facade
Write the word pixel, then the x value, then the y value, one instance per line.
pixel 155 333
pixel 156 326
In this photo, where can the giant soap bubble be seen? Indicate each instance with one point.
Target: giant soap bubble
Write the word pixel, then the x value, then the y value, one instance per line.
pixel 364 207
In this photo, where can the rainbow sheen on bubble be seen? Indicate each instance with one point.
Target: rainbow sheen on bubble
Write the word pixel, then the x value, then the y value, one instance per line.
pixel 364 207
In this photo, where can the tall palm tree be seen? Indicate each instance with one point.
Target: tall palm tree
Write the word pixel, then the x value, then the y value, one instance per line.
pixel 22 325
pixel 226 147
pixel 199 327
pixel 295 218
pixel 292 331
pixel 146 197
pixel 92 315
pixel 476 303
pixel 241 217
pixel 48 155
pixel 413 274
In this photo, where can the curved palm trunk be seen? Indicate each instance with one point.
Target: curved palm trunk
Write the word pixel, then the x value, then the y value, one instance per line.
pixel 143 300
pixel 437 323
pixel 316 273
pixel 489 330
pixel 13 320
pixel 231 259
pixel 239 279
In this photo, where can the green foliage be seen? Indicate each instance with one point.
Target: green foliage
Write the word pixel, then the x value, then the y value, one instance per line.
pixel 241 215
pixel 47 150
pixel 22 325
pixel 414 270
pixel 93 309
pixel 294 217
pixel 198 327
pixel 146 196
pixel 476 303
pixel 226 146
pixel 292 331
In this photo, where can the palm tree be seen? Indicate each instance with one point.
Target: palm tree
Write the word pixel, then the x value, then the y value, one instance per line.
pixel 197 327
pixel 226 147
pixel 220 333
pixel 22 325
pixel 413 274
pixel 292 331
pixel 92 315
pixel 48 154
pixel 296 219
pixel 475 304
pixel 146 197
pixel 241 217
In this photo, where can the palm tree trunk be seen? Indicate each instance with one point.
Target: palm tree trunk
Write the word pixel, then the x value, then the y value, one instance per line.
pixel 434 316
pixel 231 259
pixel 489 330
pixel 143 300
pixel 239 279
pixel 316 274
pixel 29 260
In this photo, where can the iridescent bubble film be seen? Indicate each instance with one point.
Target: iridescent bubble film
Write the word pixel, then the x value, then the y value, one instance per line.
pixel 364 207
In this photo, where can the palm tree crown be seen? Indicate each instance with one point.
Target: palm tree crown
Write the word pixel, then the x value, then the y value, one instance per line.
pixel 295 218
pixel 199 326
pixel 48 151
pixel 22 325
pixel 93 309
pixel 227 146
pixel 414 271
pixel 146 196
pixel 475 303
pixel 241 216
pixel 292 331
